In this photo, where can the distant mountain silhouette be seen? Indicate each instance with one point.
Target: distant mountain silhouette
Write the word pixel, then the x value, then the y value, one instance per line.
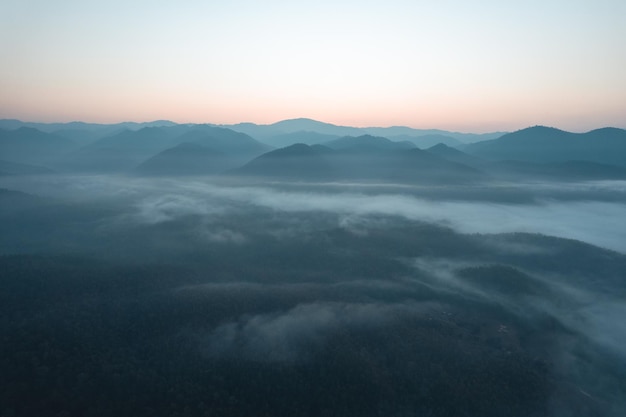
pixel 544 144
pixel 83 136
pixel 28 145
pixel 367 142
pixel 427 141
pixel 317 162
pixel 304 124
pixel 295 162
pixel 104 129
pixel 306 137
pixel 455 155
pixel 224 140
pixel 184 159
pixel 398 132
pixel 348 154
pixel 263 132
pixel 127 149
pixel 523 170
pixel 122 151
pixel 419 166
pixel 561 171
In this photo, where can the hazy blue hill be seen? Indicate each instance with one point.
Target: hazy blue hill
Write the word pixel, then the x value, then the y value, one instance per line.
pixel 426 141
pixel 83 136
pixel 455 155
pixel 259 132
pixel 272 134
pixel 358 163
pixel 184 159
pixel 416 165
pixel 125 150
pixel 11 124
pixel 367 142
pixel 107 129
pixel 561 171
pixel 304 124
pixel 306 137
pixel 295 162
pixel 17 168
pixel 224 140
pixel 421 134
pixel 413 166
pixel 519 170
pixel 147 138
pixel 322 149
pixel 588 169
pixel 32 146
pixel 263 132
pixel 122 151
pixel 544 144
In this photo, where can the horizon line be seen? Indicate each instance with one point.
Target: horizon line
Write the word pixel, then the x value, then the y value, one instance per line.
pixel 304 119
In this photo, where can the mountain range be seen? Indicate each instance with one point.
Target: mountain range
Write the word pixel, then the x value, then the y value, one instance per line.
pixel 300 130
pixel 127 149
pixel 544 144
pixel 188 158
pixel 358 163
pixel 310 150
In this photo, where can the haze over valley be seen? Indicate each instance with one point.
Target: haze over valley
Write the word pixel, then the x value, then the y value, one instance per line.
pixel 273 270
pixel 397 208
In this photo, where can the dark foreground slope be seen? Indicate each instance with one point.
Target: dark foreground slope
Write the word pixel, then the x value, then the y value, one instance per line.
pixel 168 301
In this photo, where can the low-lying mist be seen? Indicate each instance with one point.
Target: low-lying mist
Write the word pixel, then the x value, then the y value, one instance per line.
pixel 222 297
pixel 588 212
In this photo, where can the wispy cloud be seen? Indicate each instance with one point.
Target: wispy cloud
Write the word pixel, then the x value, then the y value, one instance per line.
pixel 291 335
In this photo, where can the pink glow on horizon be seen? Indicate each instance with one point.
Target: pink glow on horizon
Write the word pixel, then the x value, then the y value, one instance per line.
pixel 463 117
pixel 463 66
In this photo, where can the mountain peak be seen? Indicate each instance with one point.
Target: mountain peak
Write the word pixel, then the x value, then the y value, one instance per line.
pixel 547 144
pixel 539 129
pixel 297 149
pixel 297 161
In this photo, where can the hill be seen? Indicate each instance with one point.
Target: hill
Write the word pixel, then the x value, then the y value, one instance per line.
pixel 367 142
pixel 302 136
pixel 263 132
pixel 356 163
pixel 541 144
pixel 555 171
pixel 426 141
pixel 455 155
pixel 127 149
pixel 29 145
pixel 224 140
pixel 295 162
pixel 184 159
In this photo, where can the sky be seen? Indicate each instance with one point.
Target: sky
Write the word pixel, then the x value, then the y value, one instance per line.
pixel 473 66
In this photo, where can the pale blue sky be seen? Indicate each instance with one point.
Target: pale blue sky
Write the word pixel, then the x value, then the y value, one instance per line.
pixel 462 65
